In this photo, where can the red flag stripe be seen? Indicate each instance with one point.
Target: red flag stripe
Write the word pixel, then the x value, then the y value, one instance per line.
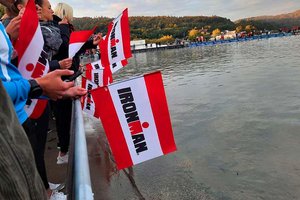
pixel 157 97
pixel 39 108
pixel 126 34
pixel 23 40
pixel 81 36
pixel 111 125
pixel 88 74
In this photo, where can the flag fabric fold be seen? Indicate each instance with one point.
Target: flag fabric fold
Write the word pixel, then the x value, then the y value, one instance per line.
pixel 32 60
pixel 136 120
pixel 115 46
pixel 87 102
pixel 77 40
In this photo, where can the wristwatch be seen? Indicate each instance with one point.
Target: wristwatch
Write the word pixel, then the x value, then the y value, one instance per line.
pixel 35 89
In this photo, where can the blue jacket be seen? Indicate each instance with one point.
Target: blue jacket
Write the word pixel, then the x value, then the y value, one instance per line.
pixel 16 86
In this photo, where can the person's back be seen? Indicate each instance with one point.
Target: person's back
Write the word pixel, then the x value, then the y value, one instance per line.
pixel 19 178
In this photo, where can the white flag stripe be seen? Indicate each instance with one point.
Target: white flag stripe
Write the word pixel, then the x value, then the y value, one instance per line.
pixel 118 66
pixel 97 76
pixel 74 48
pixel 32 53
pixel 4 57
pixel 30 108
pixel 143 107
pixel 97 65
pixel 119 44
pixel 89 107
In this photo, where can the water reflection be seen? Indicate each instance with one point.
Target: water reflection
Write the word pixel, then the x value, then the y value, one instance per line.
pixel 235 110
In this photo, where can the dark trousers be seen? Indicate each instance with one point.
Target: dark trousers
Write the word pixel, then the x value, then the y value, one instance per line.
pixel 63 112
pixel 36 130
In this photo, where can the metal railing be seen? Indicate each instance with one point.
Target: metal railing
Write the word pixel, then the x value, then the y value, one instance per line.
pixel 79 181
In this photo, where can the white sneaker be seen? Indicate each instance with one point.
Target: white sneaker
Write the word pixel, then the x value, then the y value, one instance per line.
pixel 53 186
pixel 62 159
pixel 56 187
pixel 58 196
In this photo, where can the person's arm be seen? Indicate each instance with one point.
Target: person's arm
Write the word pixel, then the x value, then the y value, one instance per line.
pixel 17 90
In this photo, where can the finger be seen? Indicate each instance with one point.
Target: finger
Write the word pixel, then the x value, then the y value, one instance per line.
pixel 67 85
pixel 64 72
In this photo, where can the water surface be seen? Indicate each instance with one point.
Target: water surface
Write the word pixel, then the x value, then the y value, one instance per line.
pixel 235 110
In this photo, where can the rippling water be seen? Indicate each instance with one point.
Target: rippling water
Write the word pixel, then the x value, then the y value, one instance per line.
pixel 235 110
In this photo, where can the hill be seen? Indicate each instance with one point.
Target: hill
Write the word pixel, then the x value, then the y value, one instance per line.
pixel 273 22
pixel 143 27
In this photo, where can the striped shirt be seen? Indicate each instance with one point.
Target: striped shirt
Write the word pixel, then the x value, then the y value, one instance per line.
pixel 16 86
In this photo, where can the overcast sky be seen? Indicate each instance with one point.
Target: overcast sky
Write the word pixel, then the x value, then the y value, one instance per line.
pixel 232 9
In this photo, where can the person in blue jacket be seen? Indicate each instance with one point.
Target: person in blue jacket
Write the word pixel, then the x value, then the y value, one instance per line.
pixel 20 89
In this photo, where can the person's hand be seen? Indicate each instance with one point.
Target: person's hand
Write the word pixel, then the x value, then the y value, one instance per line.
pixel 52 84
pixel 97 38
pixel 75 92
pixel 21 13
pixel 13 28
pixel 65 63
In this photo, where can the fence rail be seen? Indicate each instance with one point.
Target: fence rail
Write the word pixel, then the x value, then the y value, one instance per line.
pixel 79 181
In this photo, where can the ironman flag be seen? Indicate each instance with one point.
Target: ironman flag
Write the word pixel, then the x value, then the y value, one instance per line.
pixel 77 40
pixel 94 72
pixel 136 119
pixel 87 103
pixel 114 67
pixel 95 75
pixel 116 45
pixel 32 59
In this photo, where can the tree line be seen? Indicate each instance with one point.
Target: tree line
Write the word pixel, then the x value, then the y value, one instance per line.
pixel 168 28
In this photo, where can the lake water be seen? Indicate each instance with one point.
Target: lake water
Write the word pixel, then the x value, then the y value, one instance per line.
pixel 235 110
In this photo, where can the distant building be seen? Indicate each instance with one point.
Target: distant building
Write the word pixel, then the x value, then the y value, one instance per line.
pixel 137 44
pixel 227 35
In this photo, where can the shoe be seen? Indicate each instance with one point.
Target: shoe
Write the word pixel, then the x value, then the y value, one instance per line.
pixel 62 159
pixel 58 196
pixel 56 187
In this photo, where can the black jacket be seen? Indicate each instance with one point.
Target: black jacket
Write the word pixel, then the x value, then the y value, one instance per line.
pixel 63 52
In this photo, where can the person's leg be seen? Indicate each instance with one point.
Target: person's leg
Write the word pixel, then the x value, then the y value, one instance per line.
pixel 63 121
pixel 41 129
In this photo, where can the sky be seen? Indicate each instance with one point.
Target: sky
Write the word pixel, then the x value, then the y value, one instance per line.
pixel 231 9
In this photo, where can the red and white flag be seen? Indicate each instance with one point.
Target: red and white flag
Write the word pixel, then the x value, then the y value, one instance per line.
pixel 32 60
pixel 87 103
pixel 118 65
pixel 77 40
pixel 115 47
pixel 136 120
pixel 95 75
pixel 94 65
pixel 113 67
